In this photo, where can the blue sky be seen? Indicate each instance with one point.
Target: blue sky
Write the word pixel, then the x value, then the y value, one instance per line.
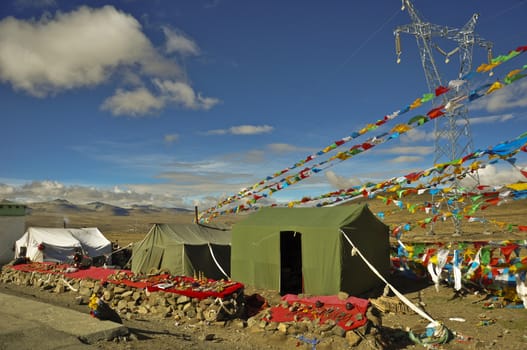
pixel 180 103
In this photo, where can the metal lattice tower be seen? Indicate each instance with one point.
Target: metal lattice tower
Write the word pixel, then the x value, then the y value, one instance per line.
pixel 451 132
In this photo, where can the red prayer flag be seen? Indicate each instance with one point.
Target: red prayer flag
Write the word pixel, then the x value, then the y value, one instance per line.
pixel 478 245
pixel 436 112
pixel 490 194
pixel 441 90
pixel 507 251
pixel 493 201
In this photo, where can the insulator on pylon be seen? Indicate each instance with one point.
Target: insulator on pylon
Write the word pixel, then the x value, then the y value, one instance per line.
pixel 398 46
pixel 402 5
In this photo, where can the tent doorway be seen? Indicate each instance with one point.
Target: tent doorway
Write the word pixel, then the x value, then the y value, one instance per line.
pixel 291 281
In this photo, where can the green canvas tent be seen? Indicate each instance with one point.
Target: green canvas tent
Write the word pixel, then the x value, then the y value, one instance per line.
pixel 184 250
pixel 295 250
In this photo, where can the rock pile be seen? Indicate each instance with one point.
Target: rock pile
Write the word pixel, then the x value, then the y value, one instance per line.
pixel 132 303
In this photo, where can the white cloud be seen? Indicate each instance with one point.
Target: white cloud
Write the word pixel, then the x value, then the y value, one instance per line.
pixel 341 182
pixel 284 148
pixel 182 94
pixel 6 190
pixel 177 41
pixel 244 158
pixel 141 101
pixel 511 96
pixel 138 102
pixel 75 49
pixel 406 159
pixel 85 48
pixel 38 191
pixel 414 135
pixel 491 119
pixel 493 175
pixel 242 130
pixel 250 129
pixel 422 150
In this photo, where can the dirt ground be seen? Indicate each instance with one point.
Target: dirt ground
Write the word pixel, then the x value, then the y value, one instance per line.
pixel 463 315
pixel 475 325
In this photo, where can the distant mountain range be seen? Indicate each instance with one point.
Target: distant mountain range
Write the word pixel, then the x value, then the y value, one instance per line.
pixel 66 207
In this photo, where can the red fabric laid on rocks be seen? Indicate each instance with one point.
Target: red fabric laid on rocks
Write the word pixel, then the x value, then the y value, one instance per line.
pixel 95 273
pixel 348 314
pixel 182 285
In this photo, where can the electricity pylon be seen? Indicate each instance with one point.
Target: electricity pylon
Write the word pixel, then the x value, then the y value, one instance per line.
pixel 452 137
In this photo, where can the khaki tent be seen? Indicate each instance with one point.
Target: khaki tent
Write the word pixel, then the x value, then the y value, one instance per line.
pixel 295 250
pixel 184 250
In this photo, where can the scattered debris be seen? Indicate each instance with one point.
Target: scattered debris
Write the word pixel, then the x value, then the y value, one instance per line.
pixel 388 304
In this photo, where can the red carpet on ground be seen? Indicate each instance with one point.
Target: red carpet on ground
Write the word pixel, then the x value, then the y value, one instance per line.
pixel 348 314
pixel 182 285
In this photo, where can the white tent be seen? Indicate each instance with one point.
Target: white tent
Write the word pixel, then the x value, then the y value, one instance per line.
pixel 59 244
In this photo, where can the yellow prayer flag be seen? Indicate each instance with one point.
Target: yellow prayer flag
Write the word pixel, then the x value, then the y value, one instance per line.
pixel 475 165
pixel 520 186
pixel 513 73
pixel 416 103
pixel 401 128
pixel 484 67
pixel 343 155
pixel 394 188
pixel 495 86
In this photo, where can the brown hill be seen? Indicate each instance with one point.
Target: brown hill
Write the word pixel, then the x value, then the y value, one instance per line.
pixel 123 224
pixel 131 224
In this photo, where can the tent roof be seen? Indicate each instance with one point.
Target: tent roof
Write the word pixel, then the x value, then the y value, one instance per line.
pixel 304 217
pixel 68 236
pixel 193 234
pixel 56 236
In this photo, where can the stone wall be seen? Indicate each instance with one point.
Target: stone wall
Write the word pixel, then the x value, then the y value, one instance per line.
pixel 129 303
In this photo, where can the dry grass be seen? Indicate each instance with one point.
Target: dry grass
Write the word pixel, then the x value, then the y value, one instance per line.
pixel 134 227
pixel 124 229
pixel 514 212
